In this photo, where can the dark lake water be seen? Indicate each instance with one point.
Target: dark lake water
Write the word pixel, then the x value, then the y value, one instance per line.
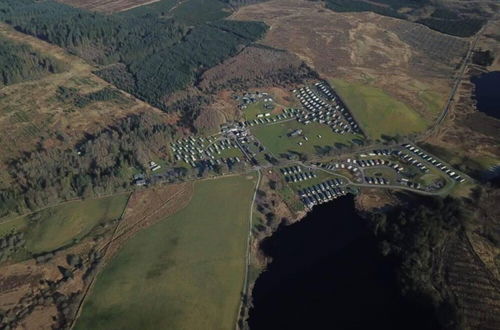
pixel 327 274
pixel 488 93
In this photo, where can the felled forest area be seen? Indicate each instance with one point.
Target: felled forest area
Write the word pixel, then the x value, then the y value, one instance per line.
pixel 144 52
pixel 100 164
pixel 19 63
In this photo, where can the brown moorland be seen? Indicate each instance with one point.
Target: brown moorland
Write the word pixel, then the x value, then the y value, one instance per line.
pixel 402 58
pixel 32 114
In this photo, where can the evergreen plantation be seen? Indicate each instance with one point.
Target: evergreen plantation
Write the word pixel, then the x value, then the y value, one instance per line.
pixel 20 62
pixel 144 52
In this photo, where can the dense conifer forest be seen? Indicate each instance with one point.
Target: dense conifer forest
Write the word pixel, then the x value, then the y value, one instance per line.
pixel 144 52
pixel 20 62
pixel 442 19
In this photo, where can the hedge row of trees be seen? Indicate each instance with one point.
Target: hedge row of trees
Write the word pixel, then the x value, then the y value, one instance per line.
pixel 154 56
pixel 19 62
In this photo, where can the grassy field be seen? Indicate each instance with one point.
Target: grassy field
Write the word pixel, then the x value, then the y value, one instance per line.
pixel 230 152
pixel 254 109
pixel 275 137
pixel 434 101
pixel 185 272
pixel 58 226
pixel 382 172
pixel 378 113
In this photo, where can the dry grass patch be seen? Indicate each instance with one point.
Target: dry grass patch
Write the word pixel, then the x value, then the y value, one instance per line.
pixel 145 208
pixel 388 53
pixel 31 113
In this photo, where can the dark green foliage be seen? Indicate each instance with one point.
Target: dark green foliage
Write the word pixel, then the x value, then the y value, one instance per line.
pixel 120 76
pixel 442 19
pixel 189 107
pixel 45 257
pixel 10 244
pixel 10 201
pixel 484 58
pixel 110 38
pixel 173 68
pixel 95 166
pixel 65 94
pixel 444 13
pixel 357 5
pixel 196 12
pixel 153 55
pixel 74 260
pixel 463 27
pixel 412 235
pixel 19 62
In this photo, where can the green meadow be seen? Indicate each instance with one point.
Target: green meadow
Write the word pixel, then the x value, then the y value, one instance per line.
pixel 61 225
pixel 276 139
pixel 184 272
pixel 378 113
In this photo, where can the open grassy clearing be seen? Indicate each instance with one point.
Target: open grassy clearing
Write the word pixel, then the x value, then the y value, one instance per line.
pixel 185 272
pixel 377 112
pixel 290 197
pixel 275 137
pixel 255 109
pixel 434 101
pixel 230 152
pixel 58 226
pixel 382 172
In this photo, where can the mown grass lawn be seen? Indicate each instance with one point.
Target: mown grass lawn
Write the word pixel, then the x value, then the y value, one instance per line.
pixel 275 137
pixel 58 226
pixel 377 112
pixel 255 109
pixel 230 152
pixel 185 272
